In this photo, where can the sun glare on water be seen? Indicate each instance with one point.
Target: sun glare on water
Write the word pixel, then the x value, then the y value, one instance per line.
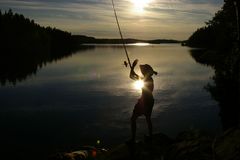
pixel 139 5
pixel 138 84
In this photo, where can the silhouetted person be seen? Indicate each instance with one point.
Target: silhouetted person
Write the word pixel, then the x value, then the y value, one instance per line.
pixel 145 103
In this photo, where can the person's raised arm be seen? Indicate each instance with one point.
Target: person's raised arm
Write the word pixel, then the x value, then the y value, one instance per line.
pixel 133 74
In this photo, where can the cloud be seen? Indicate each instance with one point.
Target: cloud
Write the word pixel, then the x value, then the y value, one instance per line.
pixel 161 18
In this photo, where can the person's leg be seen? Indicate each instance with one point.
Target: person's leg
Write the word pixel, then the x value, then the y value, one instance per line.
pixel 148 113
pixel 136 113
pixel 149 124
pixel 133 126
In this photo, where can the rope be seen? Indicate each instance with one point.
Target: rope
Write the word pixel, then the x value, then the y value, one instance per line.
pixel 120 32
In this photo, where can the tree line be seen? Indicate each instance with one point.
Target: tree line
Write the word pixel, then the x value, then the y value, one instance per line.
pixel 220 40
pixel 25 46
pixel 20 33
pixel 221 32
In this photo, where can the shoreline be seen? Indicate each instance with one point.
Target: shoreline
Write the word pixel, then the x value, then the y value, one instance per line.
pixel 190 144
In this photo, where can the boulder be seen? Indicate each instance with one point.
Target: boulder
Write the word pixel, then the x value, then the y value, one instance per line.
pixel 227 146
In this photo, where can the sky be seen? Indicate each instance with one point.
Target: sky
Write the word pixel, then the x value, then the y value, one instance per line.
pixel 142 19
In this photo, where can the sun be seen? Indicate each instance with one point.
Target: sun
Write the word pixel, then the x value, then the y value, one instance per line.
pixel 139 5
pixel 138 84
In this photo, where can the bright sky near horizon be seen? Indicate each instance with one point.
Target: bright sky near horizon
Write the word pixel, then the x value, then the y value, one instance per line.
pixel 143 19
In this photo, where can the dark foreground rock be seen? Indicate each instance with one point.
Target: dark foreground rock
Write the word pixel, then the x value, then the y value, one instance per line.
pixel 227 146
pixel 188 145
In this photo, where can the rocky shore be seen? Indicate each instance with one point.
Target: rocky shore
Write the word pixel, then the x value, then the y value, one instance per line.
pixel 188 145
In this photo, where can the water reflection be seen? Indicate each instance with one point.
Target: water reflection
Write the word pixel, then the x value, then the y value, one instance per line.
pixel 89 96
pixel 226 87
pixel 16 66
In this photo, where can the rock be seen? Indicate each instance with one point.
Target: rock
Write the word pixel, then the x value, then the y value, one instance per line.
pixel 190 145
pixel 227 146
pixel 142 150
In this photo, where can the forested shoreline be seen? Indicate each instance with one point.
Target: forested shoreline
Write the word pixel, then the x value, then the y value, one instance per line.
pixel 20 33
pixel 27 46
pixel 221 32
pixel 220 42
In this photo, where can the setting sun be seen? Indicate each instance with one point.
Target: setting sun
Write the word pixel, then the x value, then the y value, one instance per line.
pixel 138 84
pixel 139 5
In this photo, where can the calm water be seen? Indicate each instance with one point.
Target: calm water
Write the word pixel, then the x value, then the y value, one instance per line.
pixel 88 96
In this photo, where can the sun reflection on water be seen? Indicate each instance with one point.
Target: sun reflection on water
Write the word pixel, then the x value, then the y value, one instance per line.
pixel 140 44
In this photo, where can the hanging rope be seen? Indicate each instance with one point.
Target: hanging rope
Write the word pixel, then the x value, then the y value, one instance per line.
pixel 120 32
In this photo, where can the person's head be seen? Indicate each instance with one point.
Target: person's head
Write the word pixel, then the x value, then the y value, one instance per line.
pixel 147 70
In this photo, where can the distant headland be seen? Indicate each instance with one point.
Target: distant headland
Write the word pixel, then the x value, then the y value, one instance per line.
pixel 23 34
pixel 83 39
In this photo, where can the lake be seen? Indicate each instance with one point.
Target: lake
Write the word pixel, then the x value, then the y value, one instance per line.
pixel 89 96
